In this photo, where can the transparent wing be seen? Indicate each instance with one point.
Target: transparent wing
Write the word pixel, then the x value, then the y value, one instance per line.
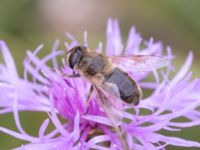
pixel 139 63
pixel 109 100
pixel 113 107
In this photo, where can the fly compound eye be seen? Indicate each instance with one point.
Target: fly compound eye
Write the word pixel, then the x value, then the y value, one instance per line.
pixel 75 55
pixel 73 59
pixel 78 48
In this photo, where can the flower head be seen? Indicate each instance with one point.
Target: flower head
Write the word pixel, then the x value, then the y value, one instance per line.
pixel 87 126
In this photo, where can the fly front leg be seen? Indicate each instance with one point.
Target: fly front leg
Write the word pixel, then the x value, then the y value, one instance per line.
pixel 64 75
pixel 76 75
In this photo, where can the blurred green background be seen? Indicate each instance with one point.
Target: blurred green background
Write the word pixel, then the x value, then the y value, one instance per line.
pixel 24 24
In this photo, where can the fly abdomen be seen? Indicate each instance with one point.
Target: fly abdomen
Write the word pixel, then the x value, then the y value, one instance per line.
pixel 128 89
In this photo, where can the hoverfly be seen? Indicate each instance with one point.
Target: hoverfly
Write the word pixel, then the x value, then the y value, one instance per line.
pixel 112 84
pixel 107 74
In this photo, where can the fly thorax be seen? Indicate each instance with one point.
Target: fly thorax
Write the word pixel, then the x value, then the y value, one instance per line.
pixel 92 64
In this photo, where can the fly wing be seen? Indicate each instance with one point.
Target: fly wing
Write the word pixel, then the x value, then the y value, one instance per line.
pixel 109 100
pixel 139 63
pixel 112 106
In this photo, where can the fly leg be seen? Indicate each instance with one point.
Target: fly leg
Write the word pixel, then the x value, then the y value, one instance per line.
pixel 89 95
pixel 88 98
pixel 74 75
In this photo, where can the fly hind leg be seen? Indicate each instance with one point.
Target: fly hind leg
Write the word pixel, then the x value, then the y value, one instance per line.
pixel 89 95
pixel 88 98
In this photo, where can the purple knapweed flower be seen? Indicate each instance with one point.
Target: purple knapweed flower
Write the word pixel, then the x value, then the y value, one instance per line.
pixel 87 126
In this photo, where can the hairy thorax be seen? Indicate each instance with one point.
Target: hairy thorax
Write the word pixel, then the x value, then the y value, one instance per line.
pixel 94 63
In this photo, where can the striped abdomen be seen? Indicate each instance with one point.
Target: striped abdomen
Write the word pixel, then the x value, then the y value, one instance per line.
pixel 128 89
